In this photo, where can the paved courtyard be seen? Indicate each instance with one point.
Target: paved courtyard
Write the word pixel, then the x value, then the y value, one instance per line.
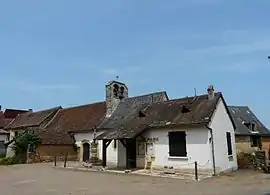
pixel 40 179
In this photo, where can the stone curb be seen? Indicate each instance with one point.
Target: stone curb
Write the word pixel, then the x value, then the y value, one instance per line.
pixel 121 173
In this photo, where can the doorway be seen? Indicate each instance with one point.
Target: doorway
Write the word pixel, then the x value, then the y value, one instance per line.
pixel 86 152
pixel 131 156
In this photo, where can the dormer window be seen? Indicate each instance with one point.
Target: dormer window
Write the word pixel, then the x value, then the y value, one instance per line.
pixel 141 114
pixel 185 109
pixel 251 126
pixel 247 125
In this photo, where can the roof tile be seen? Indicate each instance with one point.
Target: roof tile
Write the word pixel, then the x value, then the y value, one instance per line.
pixel 30 119
pixel 73 119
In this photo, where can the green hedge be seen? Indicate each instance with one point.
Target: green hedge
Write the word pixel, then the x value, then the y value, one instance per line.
pixel 9 161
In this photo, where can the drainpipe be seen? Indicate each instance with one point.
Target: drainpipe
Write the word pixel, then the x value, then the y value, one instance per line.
pixel 213 150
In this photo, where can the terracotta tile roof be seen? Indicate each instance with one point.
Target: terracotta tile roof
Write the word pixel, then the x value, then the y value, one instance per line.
pixel 179 112
pixel 8 115
pixel 31 119
pixel 13 113
pixel 74 119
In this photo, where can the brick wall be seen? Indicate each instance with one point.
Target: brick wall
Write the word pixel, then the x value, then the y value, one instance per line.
pixel 48 152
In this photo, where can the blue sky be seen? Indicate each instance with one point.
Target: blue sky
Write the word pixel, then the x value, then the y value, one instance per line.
pixel 62 52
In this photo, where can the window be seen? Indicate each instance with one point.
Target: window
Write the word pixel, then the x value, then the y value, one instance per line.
pixel 185 110
pixel 247 125
pixel 177 144
pixel 255 141
pixel 114 143
pixel 229 143
pixel 141 114
pixel 253 127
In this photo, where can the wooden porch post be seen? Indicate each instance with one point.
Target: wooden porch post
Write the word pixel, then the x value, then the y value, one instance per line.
pixel 104 153
pixel 105 144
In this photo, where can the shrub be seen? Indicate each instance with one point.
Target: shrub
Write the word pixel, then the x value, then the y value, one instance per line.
pixel 2 155
pixel 23 141
pixel 9 161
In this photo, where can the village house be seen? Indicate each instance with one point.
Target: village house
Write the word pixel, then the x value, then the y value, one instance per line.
pixel 76 122
pixel 5 118
pixel 173 133
pixel 35 121
pixel 250 134
pixel 117 105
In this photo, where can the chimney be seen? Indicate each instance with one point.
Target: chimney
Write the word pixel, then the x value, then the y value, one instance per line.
pixel 211 92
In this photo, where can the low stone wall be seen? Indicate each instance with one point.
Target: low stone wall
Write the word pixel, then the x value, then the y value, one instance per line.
pixel 253 160
pixel 35 158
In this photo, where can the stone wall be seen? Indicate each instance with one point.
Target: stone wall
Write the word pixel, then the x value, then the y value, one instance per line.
pixel 243 144
pixel 254 160
pixel 47 153
pixel 266 146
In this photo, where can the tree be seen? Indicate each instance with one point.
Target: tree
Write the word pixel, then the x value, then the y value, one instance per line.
pixel 25 140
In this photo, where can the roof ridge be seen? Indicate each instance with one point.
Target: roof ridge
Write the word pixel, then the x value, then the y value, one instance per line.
pixel 158 92
pixel 53 108
pixel 83 105
pixel 232 106
pixel 187 97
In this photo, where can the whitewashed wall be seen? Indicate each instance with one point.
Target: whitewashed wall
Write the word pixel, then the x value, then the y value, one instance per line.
pixel 221 124
pixel 3 137
pixel 198 149
pixel 112 157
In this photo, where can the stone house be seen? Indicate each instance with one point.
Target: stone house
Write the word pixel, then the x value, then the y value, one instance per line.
pixel 5 118
pixel 173 133
pixel 36 121
pixel 76 122
pixel 250 133
pixel 117 105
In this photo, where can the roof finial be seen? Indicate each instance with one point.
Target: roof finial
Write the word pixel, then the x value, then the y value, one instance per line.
pixel 117 78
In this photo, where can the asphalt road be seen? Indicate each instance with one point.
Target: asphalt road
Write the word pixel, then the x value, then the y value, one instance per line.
pixel 41 179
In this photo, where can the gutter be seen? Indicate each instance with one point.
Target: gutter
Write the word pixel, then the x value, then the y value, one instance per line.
pixel 213 150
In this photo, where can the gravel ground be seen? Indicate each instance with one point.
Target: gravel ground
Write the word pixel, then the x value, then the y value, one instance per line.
pixel 41 179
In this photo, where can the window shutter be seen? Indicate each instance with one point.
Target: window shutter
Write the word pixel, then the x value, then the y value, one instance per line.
pixel 229 143
pixel 177 144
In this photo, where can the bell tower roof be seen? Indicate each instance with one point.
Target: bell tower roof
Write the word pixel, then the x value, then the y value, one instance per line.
pixel 116 82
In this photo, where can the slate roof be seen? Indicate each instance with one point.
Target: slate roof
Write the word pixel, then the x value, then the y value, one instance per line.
pixel 127 108
pixel 31 119
pixel 242 114
pixel 73 119
pixel 189 111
